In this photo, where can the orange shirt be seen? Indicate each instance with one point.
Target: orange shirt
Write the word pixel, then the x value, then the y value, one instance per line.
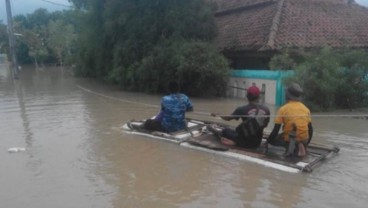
pixel 294 112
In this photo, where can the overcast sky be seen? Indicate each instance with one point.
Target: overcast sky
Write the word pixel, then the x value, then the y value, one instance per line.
pixel 29 6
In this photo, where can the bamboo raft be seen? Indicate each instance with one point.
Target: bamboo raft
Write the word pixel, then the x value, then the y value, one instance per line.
pixel 197 137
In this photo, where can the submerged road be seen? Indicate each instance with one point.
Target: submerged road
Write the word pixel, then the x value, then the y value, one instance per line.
pixel 76 154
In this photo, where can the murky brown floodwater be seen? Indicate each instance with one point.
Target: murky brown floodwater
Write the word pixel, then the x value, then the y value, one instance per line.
pixel 77 155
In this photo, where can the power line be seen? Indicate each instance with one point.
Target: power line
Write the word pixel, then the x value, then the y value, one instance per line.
pixel 359 116
pixel 118 99
pixel 57 4
pixel 363 116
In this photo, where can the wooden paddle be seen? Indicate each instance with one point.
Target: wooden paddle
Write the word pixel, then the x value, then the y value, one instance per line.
pixel 203 143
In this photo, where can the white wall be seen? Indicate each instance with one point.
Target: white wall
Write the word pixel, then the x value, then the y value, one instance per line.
pixel 237 88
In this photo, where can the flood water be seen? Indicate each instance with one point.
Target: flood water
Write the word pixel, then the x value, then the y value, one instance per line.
pixel 77 155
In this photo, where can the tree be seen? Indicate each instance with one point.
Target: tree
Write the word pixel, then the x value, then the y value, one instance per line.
pixel 39 17
pixel 60 39
pixel 35 40
pixel 44 41
pixel 352 90
pixel 132 42
pixel 333 78
pixel 282 61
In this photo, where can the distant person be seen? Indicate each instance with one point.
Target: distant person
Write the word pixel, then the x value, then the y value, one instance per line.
pixel 296 120
pixel 255 118
pixel 172 115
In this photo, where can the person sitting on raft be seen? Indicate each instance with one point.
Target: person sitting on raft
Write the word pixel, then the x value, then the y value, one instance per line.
pixel 296 120
pixel 173 108
pixel 255 118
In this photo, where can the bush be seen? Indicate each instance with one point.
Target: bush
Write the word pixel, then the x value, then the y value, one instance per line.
pixel 197 66
pixel 142 45
pixel 282 61
pixel 333 79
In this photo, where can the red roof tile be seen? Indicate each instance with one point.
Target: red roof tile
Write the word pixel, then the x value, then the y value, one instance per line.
pixel 228 5
pixel 277 24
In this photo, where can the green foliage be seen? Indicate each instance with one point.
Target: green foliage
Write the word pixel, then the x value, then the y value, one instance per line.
pixel 353 83
pixel 61 38
pixel 40 17
pixel 46 37
pixel 95 50
pixel 282 61
pixel 143 44
pixel 33 42
pixel 334 79
pixel 3 39
pixel 196 65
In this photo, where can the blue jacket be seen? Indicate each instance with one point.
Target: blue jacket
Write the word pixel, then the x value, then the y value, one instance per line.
pixel 173 109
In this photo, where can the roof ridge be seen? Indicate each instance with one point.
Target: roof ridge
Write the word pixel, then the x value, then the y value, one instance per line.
pixel 243 7
pixel 275 25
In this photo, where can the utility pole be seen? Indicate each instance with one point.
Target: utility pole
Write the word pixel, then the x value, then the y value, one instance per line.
pixel 11 40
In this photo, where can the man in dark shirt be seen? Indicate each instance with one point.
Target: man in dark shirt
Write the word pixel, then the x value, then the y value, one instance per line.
pixel 253 110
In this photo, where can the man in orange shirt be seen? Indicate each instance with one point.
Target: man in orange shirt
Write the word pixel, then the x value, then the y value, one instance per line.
pixel 296 120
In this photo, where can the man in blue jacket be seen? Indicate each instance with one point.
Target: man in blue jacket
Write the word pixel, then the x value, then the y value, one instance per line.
pixel 173 108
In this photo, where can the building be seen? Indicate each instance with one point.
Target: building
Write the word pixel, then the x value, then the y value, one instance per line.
pixel 269 82
pixel 252 31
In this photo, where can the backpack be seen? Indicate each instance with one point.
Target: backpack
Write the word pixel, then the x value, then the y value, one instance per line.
pixel 250 127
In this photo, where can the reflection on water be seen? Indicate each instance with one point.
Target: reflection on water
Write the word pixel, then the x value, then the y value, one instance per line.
pixel 77 155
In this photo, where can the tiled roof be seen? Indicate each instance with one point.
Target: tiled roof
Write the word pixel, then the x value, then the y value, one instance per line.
pixel 276 24
pixel 229 5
